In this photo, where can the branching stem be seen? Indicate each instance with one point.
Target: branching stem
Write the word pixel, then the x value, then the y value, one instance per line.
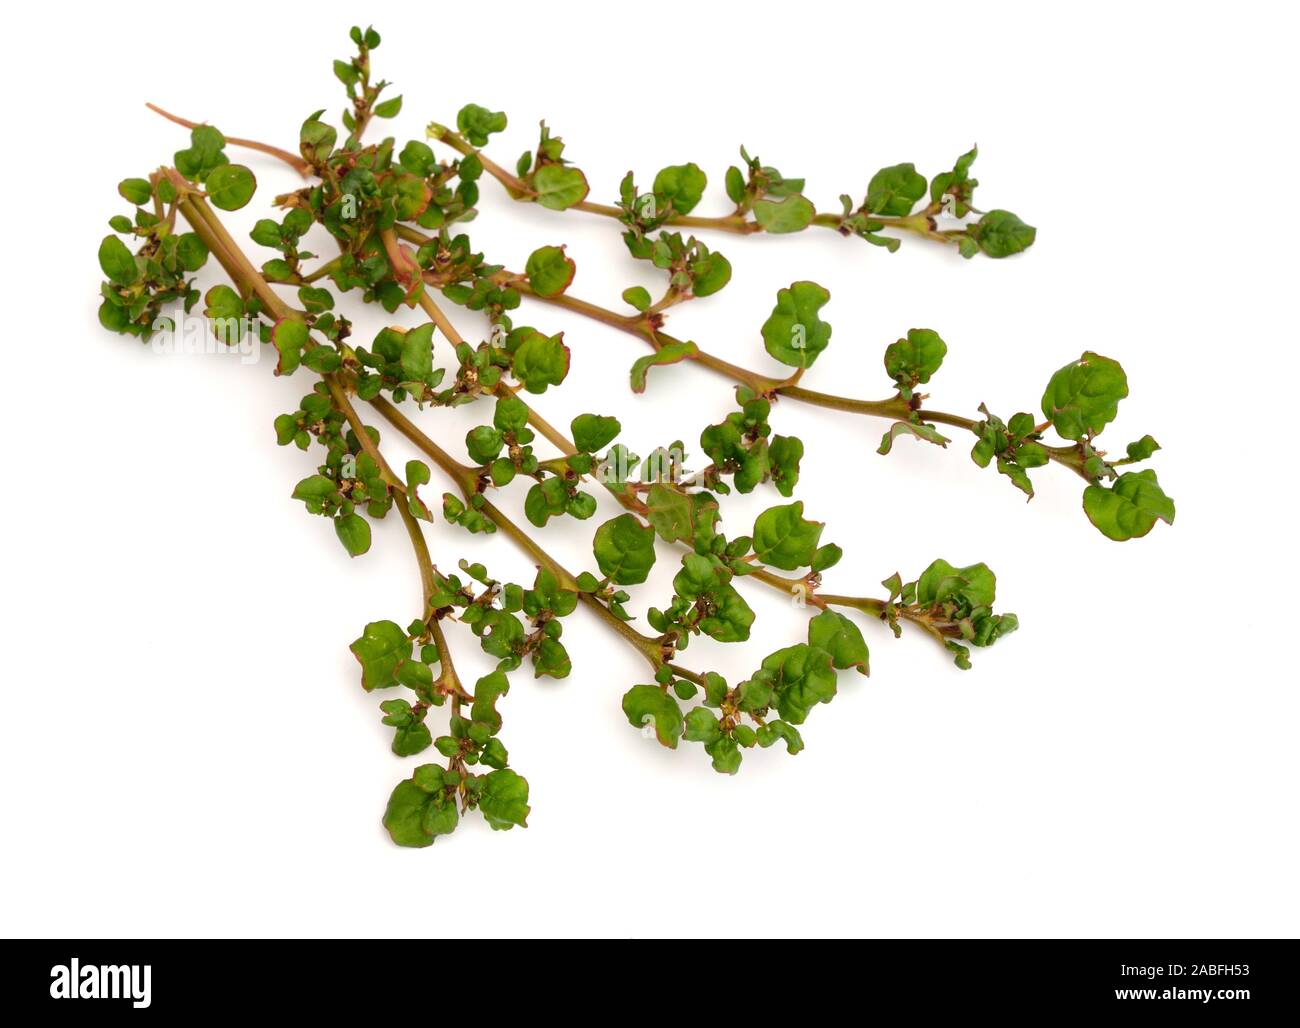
pixel 293 160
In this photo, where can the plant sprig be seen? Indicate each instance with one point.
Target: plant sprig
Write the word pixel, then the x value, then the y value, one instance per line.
pixel 395 215
pixel 764 200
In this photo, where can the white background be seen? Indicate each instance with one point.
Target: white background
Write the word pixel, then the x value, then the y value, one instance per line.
pixel 184 745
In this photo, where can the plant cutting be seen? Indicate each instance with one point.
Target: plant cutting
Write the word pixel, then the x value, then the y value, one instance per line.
pixel 394 218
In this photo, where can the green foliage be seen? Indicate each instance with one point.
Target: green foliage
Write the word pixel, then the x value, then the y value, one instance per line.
pixel 1129 508
pixel 894 191
pixel 956 186
pixel 412 735
pixel 1015 446
pixel 647 705
pixel 476 123
pixel 789 214
pixel 704 602
pixel 785 539
pixel 624 549
pixel 549 271
pixel 669 353
pixel 798 677
pixel 385 203
pixel 794 333
pixel 1001 234
pixel 382 648
pixel 426 806
pixel 911 361
pixel 841 638
pixel 205 154
pixel 540 361
pixel 916 429
pixel 593 432
pixel 117 262
pixel 953 603
pixel 559 188
pixel 1083 397
pixel 682 186
pixel 290 337
pixel 230 186
pixel 743 447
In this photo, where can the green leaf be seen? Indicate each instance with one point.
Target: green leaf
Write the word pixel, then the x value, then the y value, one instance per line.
pixel 230 186
pixel 912 361
pixel 973 586
pixel 784 454
pixel 418 158
pixel 353 532
pixel 778 730
pixel 191 251
pixel 1083 397
pixel 419 809
pixel 648 704
pixel 544 500
pixel 735 183
pixel 671 513
pixel 709 273
pixel 670 353
pixel 894 191
pixel 476 123
pixel 800 677
pixel 389 108
pixel 730 617
pixel 551 658
pixel 411 197
pixel 225 307
pixel 504 800
pixel 346 73
pixel 795 334
pixel 958 184
pixel 1142 449
pixel 637 297
pixel 725 753
pixel 784 539
pixel 624 549
pixel 593 432
pixel 1130 508
pixel 483 443
pixel 316 139
pixel 841 638
pixel 1001 233
pixel 382 646
pixel 494 754
pixel 135 190
pixel 541 361
pixel 921 431
pixel 791 214
pixel 412 735
pixel 290 336
pixel 510 414
pixel 549 271
pixel 204 154
pixel 417 474
pixel 487 690
pixel 314 488
pixel 417 352
pixel 701 725
pixel 559 186
pixel 682 185
pixel 117 262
